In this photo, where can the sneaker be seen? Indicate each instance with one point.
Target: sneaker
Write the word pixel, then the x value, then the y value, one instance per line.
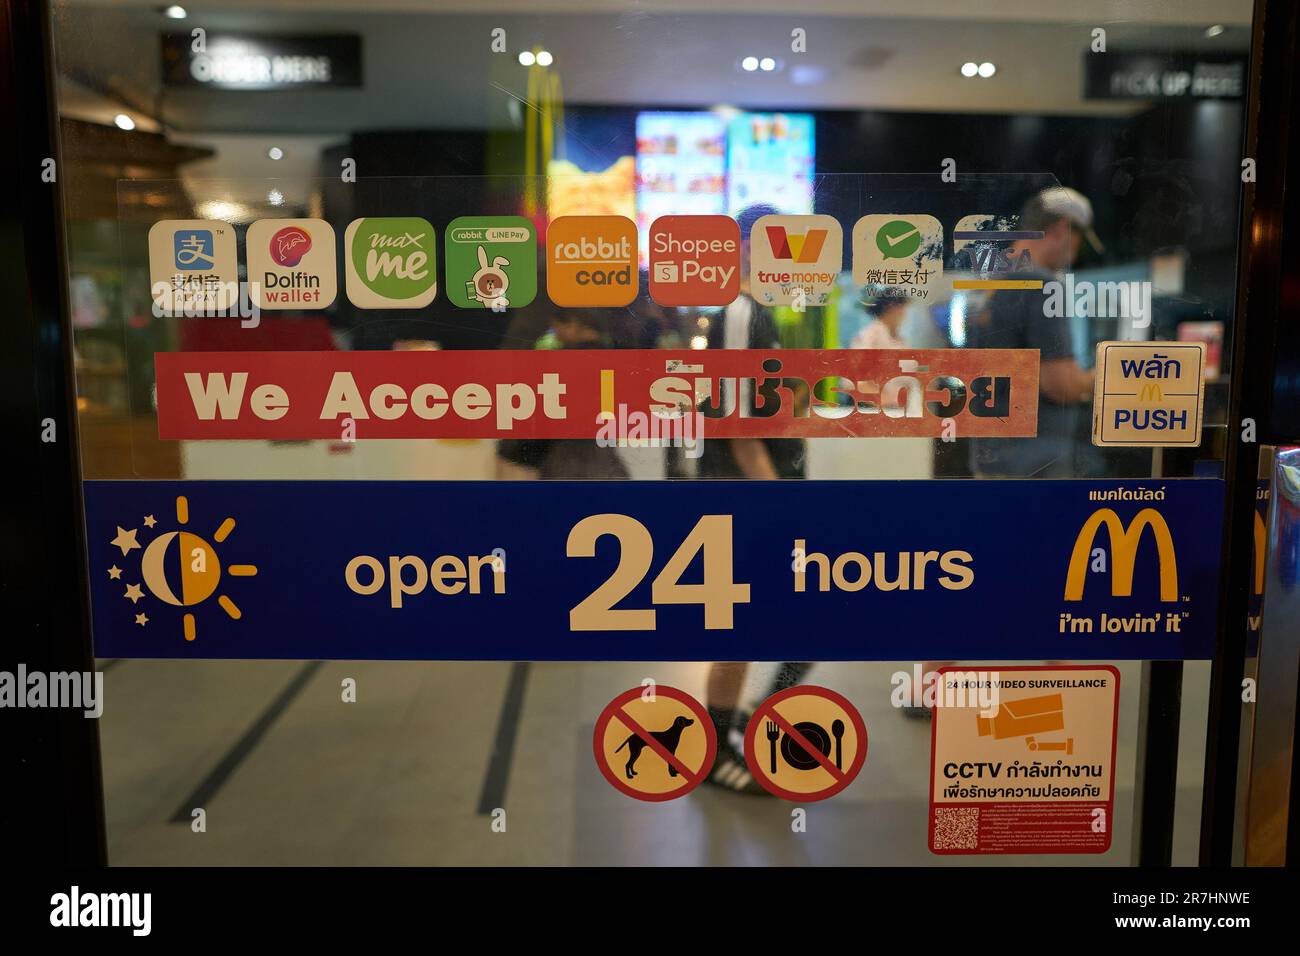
pixel 730 772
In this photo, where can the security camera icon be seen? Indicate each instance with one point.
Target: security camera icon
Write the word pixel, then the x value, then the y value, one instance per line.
pixel 490 282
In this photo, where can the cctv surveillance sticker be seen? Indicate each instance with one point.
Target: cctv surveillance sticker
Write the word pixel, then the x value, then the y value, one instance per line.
pixel 491 262
pixel 390 262
pixel 1023 759
pixel 655 743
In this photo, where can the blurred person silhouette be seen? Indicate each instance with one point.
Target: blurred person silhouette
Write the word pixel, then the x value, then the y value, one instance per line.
pixel 744 324
pixel 522 459
pixel 882 332
pixel 1016 319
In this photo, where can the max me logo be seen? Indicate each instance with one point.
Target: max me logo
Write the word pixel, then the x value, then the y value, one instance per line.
pixel 1120 562
pixel 178 568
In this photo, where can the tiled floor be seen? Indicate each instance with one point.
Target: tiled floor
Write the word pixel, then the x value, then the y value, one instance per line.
pixel 397 777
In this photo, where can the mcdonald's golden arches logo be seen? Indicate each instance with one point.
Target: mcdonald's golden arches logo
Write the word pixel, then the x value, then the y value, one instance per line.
pixel 1124 544
pixel 1151 393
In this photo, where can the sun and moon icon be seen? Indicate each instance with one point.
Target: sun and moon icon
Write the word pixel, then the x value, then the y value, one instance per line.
pixel 179 568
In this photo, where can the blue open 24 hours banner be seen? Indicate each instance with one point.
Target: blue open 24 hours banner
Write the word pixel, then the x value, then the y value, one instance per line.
pixel 702 570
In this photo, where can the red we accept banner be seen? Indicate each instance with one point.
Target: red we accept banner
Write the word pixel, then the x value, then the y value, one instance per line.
pixel 597 393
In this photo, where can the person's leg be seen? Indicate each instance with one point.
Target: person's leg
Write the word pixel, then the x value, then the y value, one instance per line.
pixel 725 683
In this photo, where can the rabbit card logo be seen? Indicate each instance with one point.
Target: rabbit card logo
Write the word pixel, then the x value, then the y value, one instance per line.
pixel 1034 776
pixel 291 264
pixel 390 262
pixel 592 261
pixel 672 725
pixel 491 262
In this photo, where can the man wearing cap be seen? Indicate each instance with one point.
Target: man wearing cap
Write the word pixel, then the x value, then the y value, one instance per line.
pixel 1016 319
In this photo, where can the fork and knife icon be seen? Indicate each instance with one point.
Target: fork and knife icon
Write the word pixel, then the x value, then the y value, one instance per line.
pixel 794 753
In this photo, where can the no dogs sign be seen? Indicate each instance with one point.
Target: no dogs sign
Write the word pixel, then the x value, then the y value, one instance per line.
pixel 655 743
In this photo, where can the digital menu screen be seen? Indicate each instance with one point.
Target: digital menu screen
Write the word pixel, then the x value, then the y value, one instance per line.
pixel 770 160
pixel 681 167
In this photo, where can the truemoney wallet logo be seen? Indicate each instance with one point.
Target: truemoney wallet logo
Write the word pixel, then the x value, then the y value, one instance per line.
pixel 179 568
pixel 1124 542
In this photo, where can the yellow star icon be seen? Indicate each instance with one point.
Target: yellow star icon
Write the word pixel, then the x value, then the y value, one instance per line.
pixel 125 539
pixel 133 592
pixel 142 619
pixel 115 572
pixel 150 521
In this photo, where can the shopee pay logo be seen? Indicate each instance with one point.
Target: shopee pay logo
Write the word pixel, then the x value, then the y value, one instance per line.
pixel 694 260
pixel 591 261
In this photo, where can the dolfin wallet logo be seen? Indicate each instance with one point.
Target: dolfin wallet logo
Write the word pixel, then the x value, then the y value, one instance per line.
pixel 291 264
pixel 173 570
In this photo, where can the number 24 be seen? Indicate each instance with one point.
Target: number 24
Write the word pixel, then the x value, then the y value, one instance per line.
pixel 718 593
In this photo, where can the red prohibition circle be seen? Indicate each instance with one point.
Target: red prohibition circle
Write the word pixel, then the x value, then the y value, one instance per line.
pixel 847 776
pixel 689 781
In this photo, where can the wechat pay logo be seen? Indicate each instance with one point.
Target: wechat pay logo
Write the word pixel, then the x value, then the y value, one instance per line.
pixel 391 263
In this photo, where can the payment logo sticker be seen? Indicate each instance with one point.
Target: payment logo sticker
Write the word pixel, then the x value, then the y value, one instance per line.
pixel 672 726
pixel 291 264
pixel 694 260
pixel 898 255
pixel 591 261
pixel 795 257
pixel 805 743
pixel 491 262
pixel 390 262
pixel 193 266
pixel 1033 773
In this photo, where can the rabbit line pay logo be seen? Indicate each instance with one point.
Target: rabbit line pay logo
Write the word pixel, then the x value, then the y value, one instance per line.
pixel 391 262
pixel 491 262
pixel 178 568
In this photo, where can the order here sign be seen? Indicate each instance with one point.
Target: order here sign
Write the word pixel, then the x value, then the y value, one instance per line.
pixel 583 393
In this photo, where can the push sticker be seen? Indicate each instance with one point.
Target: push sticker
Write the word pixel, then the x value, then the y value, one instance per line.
pixel 655 743
pixel 1032 774
pixel 1149 394
pixel 291 264
pixel 898 255
pixel 491 262
pixel 795 259
pixel 390 262
pixel 805 743
pixel 193 266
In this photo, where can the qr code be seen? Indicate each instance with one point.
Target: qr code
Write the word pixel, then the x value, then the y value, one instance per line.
pixel 956 828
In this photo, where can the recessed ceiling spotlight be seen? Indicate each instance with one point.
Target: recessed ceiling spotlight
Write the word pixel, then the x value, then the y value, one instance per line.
pixel 526 58
pixel 275 197
pixel 544 58
pixel 969 69
pixel 987 70
pixel 1215 30
pixel 275 152
pixel 175 12
pixel 122 121
pixel 767 64
pixel 749 64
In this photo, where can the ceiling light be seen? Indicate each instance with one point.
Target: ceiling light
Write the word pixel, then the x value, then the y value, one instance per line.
pixel 124 122
pixel 175 12
pixel 275 152
pixel 987 70
pixel 969 69
pixel 749 64
pixel 544 58
pixel 275 197
pixel 767 64
pixel 1215 30
pixel 526 58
